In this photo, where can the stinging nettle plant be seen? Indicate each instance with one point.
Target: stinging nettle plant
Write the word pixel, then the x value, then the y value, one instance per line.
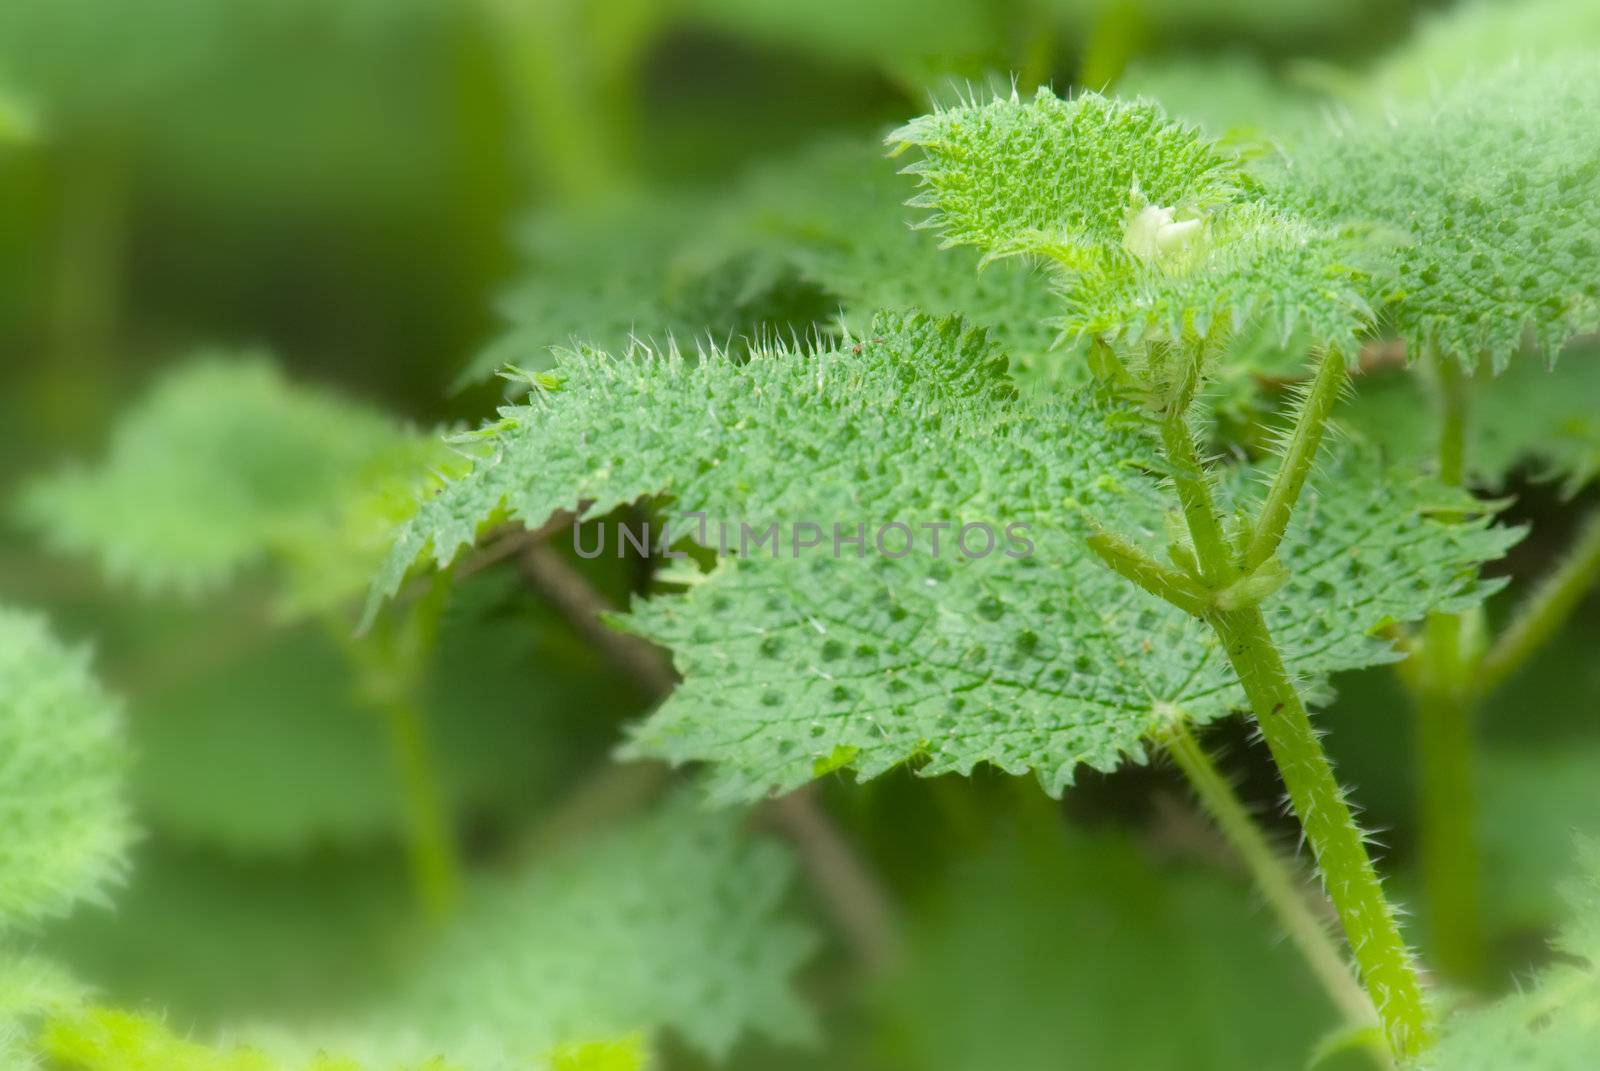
pixel 1114 285
pixel 1169 587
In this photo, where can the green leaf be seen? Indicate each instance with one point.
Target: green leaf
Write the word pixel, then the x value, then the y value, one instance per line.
pixel 1552 1024
pixel 225 465
pixel 62 756
pixel 1052 177
pixel 672 922
pixel 1159 232
pixel 1545 418
pixel 1029 659
pixel 1494 242
pixel 30 985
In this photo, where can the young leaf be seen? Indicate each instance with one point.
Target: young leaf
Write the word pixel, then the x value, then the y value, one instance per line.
pixel 1159 233
pixel 1027 657
pixel 1494 240
pixel 61 761
pixel 225 464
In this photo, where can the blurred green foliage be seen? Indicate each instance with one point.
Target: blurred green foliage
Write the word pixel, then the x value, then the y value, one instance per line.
pixel 355 211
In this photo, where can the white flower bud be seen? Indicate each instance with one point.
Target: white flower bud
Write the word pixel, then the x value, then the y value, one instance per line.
pixel 1156 238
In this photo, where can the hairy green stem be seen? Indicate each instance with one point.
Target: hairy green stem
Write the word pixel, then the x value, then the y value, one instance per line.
pixel 1179 589
pixel 1538 618
pixel 1193 485
pixel 1295 467
pixel 1285 892
pixel 1370 925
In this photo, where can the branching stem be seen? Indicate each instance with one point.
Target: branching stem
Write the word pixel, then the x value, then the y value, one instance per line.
pixel 1159 580
pixel 1370 924
pixel 1193 485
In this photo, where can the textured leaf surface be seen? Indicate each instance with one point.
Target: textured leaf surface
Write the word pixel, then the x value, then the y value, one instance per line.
pixel 1494 241
pixel 1552 1024
pixel 225 464
pixel 675 921
pixel 61 760
pixel 1159 231
pixel 800 662
pixel 1547 419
